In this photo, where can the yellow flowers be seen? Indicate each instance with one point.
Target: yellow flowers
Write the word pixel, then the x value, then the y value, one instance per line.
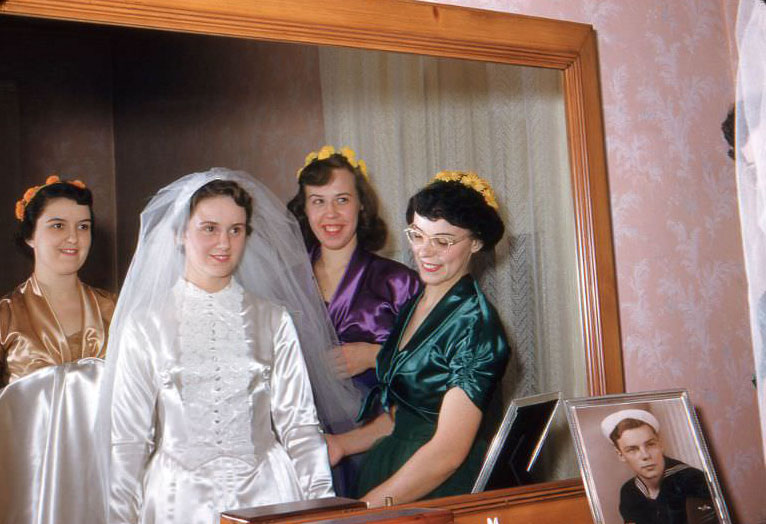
pixel 327 151
pixel 467 178
pixel 471 180
pixel 30 193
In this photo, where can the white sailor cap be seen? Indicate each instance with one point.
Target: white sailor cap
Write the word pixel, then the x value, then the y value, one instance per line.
pixel 610 422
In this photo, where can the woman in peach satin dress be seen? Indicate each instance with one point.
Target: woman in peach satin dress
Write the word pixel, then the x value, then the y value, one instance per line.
pixel 53 333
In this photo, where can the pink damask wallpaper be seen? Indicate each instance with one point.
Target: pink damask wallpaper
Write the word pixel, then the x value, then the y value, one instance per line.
pixel 667 82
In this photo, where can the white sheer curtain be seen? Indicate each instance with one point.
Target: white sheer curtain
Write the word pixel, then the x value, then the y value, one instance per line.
pixel 410 116
pixel 751 176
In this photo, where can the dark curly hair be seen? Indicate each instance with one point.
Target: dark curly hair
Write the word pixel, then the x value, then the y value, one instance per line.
pixel 33 210
pixel 228 188
pixel 371 230
pixel 461 206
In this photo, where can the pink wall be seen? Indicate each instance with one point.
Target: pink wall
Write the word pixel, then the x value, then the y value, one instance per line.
pixel 667 82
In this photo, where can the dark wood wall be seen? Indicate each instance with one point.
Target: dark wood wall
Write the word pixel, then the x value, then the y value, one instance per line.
pixel 128 111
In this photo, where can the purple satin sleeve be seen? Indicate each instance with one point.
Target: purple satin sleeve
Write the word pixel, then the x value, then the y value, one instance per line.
pixel 367 301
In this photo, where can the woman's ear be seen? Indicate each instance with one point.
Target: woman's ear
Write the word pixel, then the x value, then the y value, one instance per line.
pixel 476 245
pixel 181 240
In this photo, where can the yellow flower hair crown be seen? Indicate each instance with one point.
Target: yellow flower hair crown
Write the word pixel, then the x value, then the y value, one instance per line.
pixel 471 180
pixel 327 151
pixel 30 193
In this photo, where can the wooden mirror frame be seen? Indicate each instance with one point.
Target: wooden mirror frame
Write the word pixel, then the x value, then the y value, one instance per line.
pixel 430 29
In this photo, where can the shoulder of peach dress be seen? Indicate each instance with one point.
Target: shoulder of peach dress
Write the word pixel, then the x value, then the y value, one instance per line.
pixel 25 320
pixel 98 308
pixel 106 301
pixel 31 337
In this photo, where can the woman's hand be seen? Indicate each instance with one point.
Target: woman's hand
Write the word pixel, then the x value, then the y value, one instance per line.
pixel 334 448
pixel 359 439
pixel 354 358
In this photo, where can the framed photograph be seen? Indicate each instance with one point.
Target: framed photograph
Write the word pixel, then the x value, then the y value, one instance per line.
pixel 643 459
pixel 517 443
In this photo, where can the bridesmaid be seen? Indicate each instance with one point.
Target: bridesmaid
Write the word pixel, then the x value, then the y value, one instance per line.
pixel 445 356
pixel 53 318
pixel 337 210
pixel 53 334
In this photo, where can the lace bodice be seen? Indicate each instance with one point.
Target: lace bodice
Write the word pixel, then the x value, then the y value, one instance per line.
pixel 216 368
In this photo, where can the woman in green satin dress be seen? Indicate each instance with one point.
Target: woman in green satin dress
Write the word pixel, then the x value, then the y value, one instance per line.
pixel 445 355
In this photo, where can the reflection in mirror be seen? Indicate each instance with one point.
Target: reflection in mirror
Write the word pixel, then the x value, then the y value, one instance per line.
pixel 130 110
pixel 412 116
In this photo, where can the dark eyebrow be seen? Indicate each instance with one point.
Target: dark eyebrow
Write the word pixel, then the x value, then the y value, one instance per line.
pixel 335 195
pixel 57 219
pixel 204 222
pixel 416 228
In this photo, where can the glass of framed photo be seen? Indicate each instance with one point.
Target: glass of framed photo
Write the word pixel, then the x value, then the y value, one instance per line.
pixel 643 459
pixel 517 442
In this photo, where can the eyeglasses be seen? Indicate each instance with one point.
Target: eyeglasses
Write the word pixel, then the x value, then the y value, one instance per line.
pixel 439 243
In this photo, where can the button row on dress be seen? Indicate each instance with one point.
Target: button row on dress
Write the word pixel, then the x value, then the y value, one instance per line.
pixel 217 388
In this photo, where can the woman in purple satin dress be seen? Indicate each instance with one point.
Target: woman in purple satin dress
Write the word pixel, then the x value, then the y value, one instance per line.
pixel 337 210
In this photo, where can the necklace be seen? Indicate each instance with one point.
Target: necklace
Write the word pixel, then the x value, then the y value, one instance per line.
pixel 328 280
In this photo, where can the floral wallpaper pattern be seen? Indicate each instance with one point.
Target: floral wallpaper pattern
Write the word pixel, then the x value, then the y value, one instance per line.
pixel 667 79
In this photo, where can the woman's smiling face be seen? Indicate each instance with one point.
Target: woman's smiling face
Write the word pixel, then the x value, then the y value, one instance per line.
pixel 441 267
pixel 333 210
pixel 214 242
pixel 62 237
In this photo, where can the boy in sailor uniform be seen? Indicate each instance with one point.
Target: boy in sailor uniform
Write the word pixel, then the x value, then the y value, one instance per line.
pixel 658 493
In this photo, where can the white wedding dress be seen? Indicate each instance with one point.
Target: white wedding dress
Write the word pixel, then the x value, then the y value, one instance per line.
pixel 213 413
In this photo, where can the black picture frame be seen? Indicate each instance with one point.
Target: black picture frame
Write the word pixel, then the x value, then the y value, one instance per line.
pixel 517 442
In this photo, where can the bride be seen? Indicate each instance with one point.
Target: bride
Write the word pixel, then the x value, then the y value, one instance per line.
pixel 211 405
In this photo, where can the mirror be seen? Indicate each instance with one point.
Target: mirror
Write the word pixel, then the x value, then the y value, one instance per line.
pixel 158 105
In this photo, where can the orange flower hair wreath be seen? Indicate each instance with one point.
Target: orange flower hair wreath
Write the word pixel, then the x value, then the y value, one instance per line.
pixel 30 193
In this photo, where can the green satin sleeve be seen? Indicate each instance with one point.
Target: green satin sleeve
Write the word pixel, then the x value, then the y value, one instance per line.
pixel 479 359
